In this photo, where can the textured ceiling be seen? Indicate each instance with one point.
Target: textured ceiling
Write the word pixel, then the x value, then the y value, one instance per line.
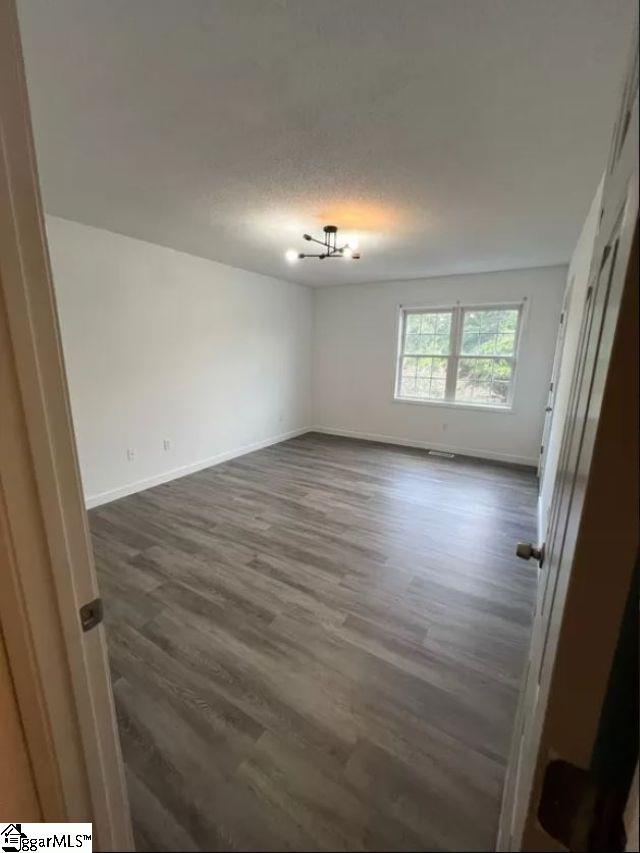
pixel 452 136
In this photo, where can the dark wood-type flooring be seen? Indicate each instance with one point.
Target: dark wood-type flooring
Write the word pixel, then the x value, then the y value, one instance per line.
pixel 318 646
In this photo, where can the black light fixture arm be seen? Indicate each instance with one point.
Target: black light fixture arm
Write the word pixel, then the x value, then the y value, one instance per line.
pixel 313 240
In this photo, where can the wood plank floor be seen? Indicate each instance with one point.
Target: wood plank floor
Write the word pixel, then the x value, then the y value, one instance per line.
pixel 317 646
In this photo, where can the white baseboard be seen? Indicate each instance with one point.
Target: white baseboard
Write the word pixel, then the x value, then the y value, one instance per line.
pixel 174 473
pixel 139 485
pixel 430 445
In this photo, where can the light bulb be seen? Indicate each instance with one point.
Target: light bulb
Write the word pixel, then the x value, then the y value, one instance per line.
pixel 347 251
pixel 291 255
pixel 354 245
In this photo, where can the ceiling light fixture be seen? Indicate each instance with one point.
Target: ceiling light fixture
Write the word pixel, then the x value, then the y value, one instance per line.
pixel 330 246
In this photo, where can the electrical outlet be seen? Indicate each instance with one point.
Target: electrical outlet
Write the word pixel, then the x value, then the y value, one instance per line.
pixel 167 444
pixel 131 454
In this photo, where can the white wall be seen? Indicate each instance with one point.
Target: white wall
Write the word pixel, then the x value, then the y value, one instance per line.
pixel 163 345
pixel 578 279
pixel 354 363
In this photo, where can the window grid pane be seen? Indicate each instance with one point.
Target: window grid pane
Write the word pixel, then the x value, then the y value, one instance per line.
pixel 424 360
pixel 484 380
pixel 424 377
pixel 427 333
pixel 489 332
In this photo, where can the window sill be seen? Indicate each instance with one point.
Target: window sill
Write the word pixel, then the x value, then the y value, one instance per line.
pixel 447 404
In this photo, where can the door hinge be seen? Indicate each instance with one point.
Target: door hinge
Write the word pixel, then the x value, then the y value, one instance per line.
pixel 91 614
pixel 578 812
pixel 541 449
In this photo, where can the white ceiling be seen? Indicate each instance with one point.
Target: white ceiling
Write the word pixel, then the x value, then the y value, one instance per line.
pixel 449 135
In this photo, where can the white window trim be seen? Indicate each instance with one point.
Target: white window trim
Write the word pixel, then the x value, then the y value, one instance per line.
pixel 457 310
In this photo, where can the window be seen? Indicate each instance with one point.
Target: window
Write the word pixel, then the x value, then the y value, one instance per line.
pixel 463 355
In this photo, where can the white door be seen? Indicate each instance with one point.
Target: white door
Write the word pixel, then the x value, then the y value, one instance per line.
pixel 57 655
pixel 592 534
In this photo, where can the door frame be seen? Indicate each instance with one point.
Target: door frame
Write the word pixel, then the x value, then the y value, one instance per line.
pixel 553 382
pixel 60 672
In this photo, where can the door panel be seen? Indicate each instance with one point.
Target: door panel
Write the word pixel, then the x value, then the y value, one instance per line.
pixel 572 642
pixel 576 423
pixel 60 672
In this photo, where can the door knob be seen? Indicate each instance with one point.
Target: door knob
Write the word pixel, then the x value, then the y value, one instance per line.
pixel 527 551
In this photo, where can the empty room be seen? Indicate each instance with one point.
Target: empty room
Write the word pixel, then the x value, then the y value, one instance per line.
pixel 320 317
